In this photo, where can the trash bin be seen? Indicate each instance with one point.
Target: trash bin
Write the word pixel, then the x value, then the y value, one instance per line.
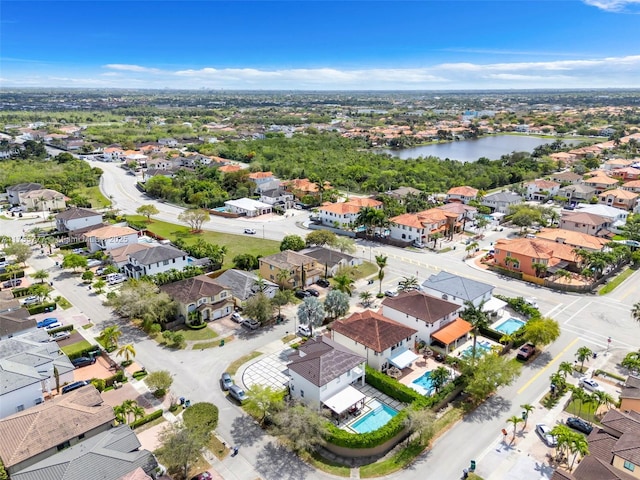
pixel 472 467
pixel 187 403
pixel 182 400
pixel 222 342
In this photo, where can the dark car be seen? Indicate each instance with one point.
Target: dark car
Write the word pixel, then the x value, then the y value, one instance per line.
pixel 47 322
pixel 579 424
pixel 526 351
pixel 302 294
pixel 226 381
pixel 83 361
pixel 238 393
pixel 313 291
pixel 14 282
pixel 324 283
pixel 74 386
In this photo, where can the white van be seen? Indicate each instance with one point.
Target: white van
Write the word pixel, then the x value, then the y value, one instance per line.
pixel 114 278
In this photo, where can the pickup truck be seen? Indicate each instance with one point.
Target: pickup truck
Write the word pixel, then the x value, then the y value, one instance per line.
pixel 526 351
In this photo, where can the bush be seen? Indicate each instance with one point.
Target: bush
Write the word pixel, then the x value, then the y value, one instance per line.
pixel 20 292
pixel 149 418
pixel 64 328
pixel 201 415
pixel 118 377
pixel 519 305
pixel 391 386
pixel 342 438
pixel 89 351
pixel 43 307
pixel 139 374
pixel 8 276
pixel 99 383
pixel 200 326
pixel 70 246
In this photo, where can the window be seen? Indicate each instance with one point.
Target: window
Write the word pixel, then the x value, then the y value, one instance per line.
pixel 165 262
pixel 19 408
pixel 81 436
pixel 223 294
pixel 302 393
pixel 629 466
pixel 64 445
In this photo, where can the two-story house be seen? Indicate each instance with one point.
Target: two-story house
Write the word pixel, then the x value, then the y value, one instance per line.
pixel 277 197
pixel 322 370
pixel 626 174
pixel 422 226
pixel 633 186
pixel 15 191
pixel 345 214
pixel 160 258
pixel 244 285
pixel 541 190
pixel 77 219
pixel 264 181
pixel 44 200
pixel 524 254
pixel 457 289
pixel 301 270
pixel 200 297
pixel 332 260
pixel 616 216
pixel 422 312
pixel 168 142
pixel 619 198
pixel 585 223
pixel 577 193
pixel 601 182
pixel 113 154
pixel 110 237
pixel 567 178
pixel 500 202
pixel 382 341
pixel 303 187
pixel 463 194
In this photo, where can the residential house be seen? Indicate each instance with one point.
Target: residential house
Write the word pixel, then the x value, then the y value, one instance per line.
pixel 463 213
pixel 332 260
pixel 248 207
pixel 564 158
pixel 402 193
pixel 200 297
pixel 113 154
pixel 75 219
pixel 614 450
pixel 626 174
pixel 39 432
pixel 574 239
pixel 586 223
pixel 423 312
pixel 630 395
pixel 541 190
pixel 15 191
pixel 44 200
pixel 501 202
pixel 382 341
pixel 229 168
pixel 119 256
pixel 619 198
pixel 109 455
pixel 27 363
pixel 567 178
pixel 422 226
pixel 525 254
pixel 110 237
pixel 302 270
pixel 198 160
pixel 617 216
pixel 344 215
pixel 168 142
pixel 457 289
pixel 616 163
pixel 277 197
pixel 322 369
pixel 303 187
pixel 601 183
pixel 462 194
pixel 633 186
pixel 151 261
pixel 577 193
pixel 149 173
pixel 264 181
pixel 15 319
pixel 244 285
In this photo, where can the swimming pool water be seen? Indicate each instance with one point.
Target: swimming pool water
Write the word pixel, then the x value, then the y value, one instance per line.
pixel 510 326
pixel 481 349
pixel 425 382
pixel 374 419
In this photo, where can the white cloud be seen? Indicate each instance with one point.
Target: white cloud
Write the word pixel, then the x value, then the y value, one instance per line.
pixel 618 6
pixel 132 68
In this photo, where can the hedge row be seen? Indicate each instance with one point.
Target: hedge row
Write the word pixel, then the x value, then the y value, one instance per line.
pixel 20 292
pixel 85 352
pixel 8 276
pixel 64 328
pixel 71 246
pixel 43 307
pixel 149 418
pixel 390 386
pixel 118 377
pixel 342 438
pixel 519 305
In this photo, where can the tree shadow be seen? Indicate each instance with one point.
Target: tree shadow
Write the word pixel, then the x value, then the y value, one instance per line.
pixel 244 430
pixel 490 409
pixel 275 461
pixel 544 469
pixel 541 360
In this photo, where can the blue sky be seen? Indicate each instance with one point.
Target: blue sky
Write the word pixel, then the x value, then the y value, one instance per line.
pixel 351 45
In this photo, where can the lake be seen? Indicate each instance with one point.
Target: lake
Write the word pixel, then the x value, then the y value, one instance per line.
pixel 492 147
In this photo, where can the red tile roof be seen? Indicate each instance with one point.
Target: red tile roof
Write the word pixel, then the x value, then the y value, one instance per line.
pixel 373 330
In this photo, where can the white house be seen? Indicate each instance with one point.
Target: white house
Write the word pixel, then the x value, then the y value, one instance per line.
pixel 14 191
pixel 264 181
pixel 463 194
pixel 248 207
pixel 75 218
pixel 501 201
pixel 541 189
pixel 322 369
pixel 110 237
pixel 457 289
pixel 44 200
pixel 616 216
pixel 277 196
pixel 151 261
pixel 345 214
pixel 422 312
pixel 382 341
pixel 113 154
pixel 168 142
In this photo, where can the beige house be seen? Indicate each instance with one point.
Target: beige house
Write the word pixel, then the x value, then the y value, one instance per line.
pixel 44 200
pixel 630 395
pixel 200 298
pixel 619 198
pixel 301 269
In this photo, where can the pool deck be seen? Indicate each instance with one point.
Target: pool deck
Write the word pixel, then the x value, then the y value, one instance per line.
pixel 505 315
pixel 372 400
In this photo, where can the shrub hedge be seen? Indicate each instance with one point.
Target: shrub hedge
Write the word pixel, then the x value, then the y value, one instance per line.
pixel 149 418
pixel 64 328
pixel 70 246
pixel 8 276
pixel 390 386
pixel 43 307
pixel 201 415
pixel 342 438
pixel 118 377
pixel 85 352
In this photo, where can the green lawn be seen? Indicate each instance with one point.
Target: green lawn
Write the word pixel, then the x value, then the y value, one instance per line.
pixel 234 366
pixel 202 334
pixel 95 196
pixel 609 287
pixel 74 348
pixel 586 412
pixel 211 344
pixel 236 244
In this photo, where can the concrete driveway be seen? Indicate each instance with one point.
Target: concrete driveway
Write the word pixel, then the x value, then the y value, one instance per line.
pixel 269 371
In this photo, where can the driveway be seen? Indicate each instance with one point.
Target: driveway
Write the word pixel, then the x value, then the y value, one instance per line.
pixel 269 371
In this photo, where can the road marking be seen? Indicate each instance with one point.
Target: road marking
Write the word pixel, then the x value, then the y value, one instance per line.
pixel 577 313
pixel 546 367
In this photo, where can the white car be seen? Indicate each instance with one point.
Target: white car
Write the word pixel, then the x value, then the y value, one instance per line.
pixel 236 317
pixel 59 336
pixel 589 384
pixel 53 326
pixel 304 330
pixel 391 293
pixel 545 435
pixel 249 231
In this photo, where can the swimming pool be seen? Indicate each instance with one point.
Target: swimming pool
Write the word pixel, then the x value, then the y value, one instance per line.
pixel 425 382
pixel 510 326
pixel 481 349
pixel 375 419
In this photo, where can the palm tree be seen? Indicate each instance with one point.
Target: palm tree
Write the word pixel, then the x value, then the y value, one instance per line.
pixel 408 283
pixel 528 408
pixel 439 377
pixel 515 420
pixel 565 368
pixel 600 398
pixel 138 412
pixel 471 247
pixel 559 381
pixel 635 312
pixel 128 406
pixel 583 354
pixel 478 319
pixel 343 283
pixel 579 395
pixel 563 434
pixel 563 274
pixel 282 278
pixel 41 275
pixel 540 268
pixel 121 413
pixel 381 261
pixel 127 351
pixel 507 339
pixel 110 336
pixel 508 260
pixel 577 445
pixel 365 298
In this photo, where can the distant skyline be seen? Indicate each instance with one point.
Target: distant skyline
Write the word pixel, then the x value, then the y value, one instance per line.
pixel 321 45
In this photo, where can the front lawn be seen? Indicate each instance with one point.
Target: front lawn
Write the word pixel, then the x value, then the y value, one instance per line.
pixel 587 412
pixel 236 244
pixel 190 334
pixel 75 348
pixel 611 285
pixel 94 195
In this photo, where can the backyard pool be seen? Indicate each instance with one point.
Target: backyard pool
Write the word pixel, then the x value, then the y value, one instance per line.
pixel 482 347
pixel 425 382
pixel 510 326
pixel 375 419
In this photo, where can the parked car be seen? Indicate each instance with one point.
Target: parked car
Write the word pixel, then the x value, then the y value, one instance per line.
pixel 14 282
pixel 304 330
pixel 202 476
pixel 93 263
pixel 59 336
pixel 418 244
pixel 30 300
pixel 46 322
pixel 226 381
pixel 251 323
pixel 249 231
pixel 526 351
pixel 236 317
pixel 391 293
pixel 531 301
pixel 302 294
pixel 323 282
pixel 238 393
pixel 545 435
pixel 589 384
pixel 313 291
pixel 100 270
pixel 83 361
pixel 74 386
pixel 579 424
pixel 53 326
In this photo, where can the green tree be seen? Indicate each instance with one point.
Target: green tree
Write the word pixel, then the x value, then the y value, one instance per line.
pixel 201 416
pixel 301 427
pixel 147 211
pixel 40 290
pixel 527 409
pixel 20 251
pixel 565 368
pixel 110 336
pixel 283 278
pixel 600 397
pixel 159 381
pixel 581 397
pixel 127 351
pixel 578 445
pixel 321 238
pixel 259 307
pixel 408 283
pixel 343 282
pixel 87 276
pixel 478 319
pixel 282 298
pixel 365 298
pixel 583 354
pixel 99 286
pixel 514 420
pixel 421 422
pixel 489 373
pixel 142 300
pixel 246 261
pixel 264 401
pixel 74 261
pixel 292 242
pixel 336 304
pixel 41 275
pixel 439 377
pixel 345 245
pixel 541 331
pixel 311 312
pixel 180 447
pixel 381 261
pixel 194 217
